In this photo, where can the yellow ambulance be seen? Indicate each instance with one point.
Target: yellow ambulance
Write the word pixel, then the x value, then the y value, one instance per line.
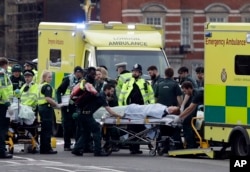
pixel 62 46
pixel 227 85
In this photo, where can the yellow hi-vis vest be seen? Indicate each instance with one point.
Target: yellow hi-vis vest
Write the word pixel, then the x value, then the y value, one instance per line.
pixel 29 97
pixel 35 76
pixel 121 80
pixel 41 96
pixel 145 88
pixel 6 87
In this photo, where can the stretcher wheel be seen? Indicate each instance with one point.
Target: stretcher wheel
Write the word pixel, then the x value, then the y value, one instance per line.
pixel 160 151
pixel 152 152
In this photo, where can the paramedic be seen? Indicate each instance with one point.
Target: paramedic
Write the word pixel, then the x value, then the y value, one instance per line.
pixel 46 112
pixel 65 89
pixel 195 99
pixel 184 76
pixel 136 90
pixel 123 76
pixel 5 94
pixel 168 92
pixel 200 77
pixel 87 108
pixel 154 76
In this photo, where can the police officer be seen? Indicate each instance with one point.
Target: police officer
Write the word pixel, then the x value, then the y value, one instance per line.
pixel 123 76
pixel 31 66
pixel 46 112
pixel 17 78
pixel 5 94
pixel 65 88
pixel 137 90
pixel 87 108
pixel 29 90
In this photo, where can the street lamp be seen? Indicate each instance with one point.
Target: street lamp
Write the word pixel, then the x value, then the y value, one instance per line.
pixel 87 6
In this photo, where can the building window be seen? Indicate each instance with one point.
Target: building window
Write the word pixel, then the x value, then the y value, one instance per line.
pixel 154 20
pixel 217 12
pixel 216 19
pixel 246 19
pixel 185 31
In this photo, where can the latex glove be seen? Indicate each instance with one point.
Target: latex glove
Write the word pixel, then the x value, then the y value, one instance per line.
pixel 10 111
pixel 59 106
pixel 75 115
pixel 177 120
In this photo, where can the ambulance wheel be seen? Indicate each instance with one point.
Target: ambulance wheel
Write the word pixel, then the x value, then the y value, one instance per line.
pixel 152 152
pixel 239 146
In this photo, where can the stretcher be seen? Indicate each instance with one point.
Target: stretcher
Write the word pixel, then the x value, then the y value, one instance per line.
pixel 117 132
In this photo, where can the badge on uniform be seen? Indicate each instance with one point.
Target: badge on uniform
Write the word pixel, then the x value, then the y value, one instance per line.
pixel 48 88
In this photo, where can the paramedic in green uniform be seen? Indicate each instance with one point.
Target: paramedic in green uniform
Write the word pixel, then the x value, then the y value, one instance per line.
pixel 196 98
pixel 5 94
pixel 46 112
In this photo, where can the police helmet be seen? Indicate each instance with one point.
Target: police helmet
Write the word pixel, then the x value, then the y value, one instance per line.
pixel 137 67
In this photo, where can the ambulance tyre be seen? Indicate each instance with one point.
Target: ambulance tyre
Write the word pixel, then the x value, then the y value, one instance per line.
pixel 240 146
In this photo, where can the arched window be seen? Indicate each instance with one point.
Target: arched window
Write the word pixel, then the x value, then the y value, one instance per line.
pixel 245 13
pixel 217 12
pixel 154 14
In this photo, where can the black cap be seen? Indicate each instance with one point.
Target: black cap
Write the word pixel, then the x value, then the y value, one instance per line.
pixel 29 63
pixel 16 68
pixel 137 67
pixel 78 69
pixel 28 72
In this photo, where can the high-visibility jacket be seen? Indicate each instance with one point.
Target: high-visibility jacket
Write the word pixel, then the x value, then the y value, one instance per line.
pixel 121 80
pixel 41 96
pixel 145 89
pixel 29 97
pixel 6 87
pixel 35 76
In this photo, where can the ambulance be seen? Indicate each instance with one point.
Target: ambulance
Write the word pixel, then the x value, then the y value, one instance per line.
pixel 227 86
pixel 62 46
pixel 225 127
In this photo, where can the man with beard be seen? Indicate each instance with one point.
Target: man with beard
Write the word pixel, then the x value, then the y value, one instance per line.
pixel 155 76
pixel 137 90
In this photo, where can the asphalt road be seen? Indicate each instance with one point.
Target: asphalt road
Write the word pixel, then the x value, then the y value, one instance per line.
pixel 120 161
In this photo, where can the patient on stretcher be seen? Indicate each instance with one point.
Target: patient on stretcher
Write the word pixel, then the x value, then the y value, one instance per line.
pixel 135 111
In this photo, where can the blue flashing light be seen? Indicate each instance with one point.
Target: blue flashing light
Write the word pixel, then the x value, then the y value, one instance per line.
pixel 208 34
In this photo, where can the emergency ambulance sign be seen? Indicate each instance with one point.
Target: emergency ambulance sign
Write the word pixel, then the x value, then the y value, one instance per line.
pixel 239 164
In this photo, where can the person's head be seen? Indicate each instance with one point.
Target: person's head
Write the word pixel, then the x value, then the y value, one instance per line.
pixel 91 73
pixel 183 72
pixel 109 89
pixel 4 63
pixel 187 87
pixel 120 67
pixel 103 71
pixel 28 76
pixel 169 72
pixel 99 76
pixel 105 67
pixel 46 76
pixel 136 71
pixel 200 73
pixel 78 72
pixel 16 70
pixel 174 110
pixel 152 72
pixel 28 65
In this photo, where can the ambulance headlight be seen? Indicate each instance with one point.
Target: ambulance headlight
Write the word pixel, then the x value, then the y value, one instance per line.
pixel 131 26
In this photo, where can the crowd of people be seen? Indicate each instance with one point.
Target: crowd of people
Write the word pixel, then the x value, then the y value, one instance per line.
pixel 96 90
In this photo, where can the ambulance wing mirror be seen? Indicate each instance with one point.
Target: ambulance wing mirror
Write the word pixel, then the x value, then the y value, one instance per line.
pixel 248 38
